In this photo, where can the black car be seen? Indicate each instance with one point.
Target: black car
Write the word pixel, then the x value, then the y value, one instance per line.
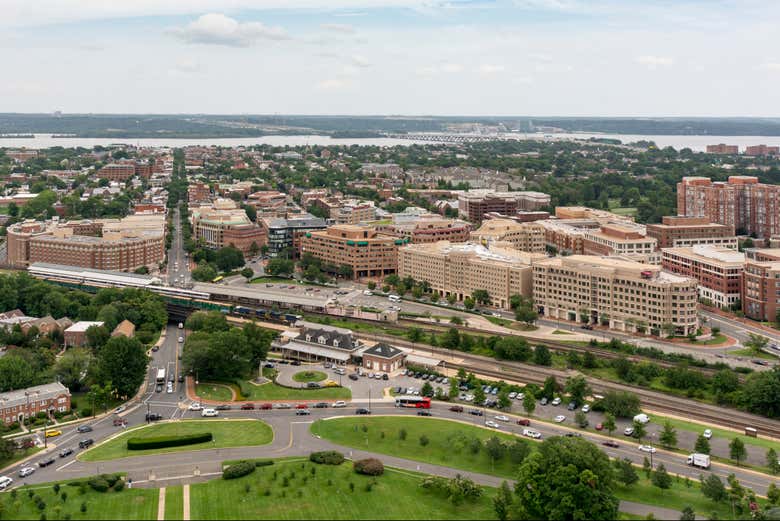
pixel 424 413
pixel 45 462
pixel 222 407
pixel 158 389
pixel 313 385
pixel 385 377
pixel 571 406
pixel 320 405
pixel 181 378
pixel 362 411
pixel 417 375
pixel 153 417
pixel 295 362
pixel 64 453
pixel 84 428
pixel 83 444
pixel 476 412
pixel 353 376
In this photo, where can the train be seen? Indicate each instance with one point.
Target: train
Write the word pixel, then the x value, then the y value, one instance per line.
pixel 265 314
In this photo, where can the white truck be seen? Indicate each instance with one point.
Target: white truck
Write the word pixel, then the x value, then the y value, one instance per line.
pixel 641 418
pixel 699 460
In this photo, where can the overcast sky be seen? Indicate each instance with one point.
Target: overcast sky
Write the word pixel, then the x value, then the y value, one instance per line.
pixel 456 57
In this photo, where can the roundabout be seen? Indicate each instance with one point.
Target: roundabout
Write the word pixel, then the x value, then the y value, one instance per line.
pixel 309 376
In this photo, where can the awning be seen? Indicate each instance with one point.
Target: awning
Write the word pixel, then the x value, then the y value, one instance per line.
pixel 422 360
pixel 324 352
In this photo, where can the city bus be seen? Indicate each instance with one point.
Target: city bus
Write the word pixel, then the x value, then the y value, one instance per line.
pixel 161 376
pixel 417 402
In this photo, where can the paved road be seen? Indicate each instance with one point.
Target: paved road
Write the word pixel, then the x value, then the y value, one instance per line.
pixel 178 273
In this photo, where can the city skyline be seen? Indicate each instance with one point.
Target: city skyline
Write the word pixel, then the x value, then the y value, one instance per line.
pixel 540 57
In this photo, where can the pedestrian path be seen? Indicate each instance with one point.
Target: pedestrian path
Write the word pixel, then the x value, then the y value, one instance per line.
pixel 161 505
pixel 186 501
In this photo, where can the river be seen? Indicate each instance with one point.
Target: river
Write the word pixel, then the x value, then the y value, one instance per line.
pixel 697 143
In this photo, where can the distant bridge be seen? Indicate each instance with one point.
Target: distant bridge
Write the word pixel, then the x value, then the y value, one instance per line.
pixel 447 138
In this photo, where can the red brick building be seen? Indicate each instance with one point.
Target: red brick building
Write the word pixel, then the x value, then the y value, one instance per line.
pixel 16 406
pixel 762 150
pixel 117 172
pixel 722 149
pixel 761 285
pixel 718 270
pixel 677 232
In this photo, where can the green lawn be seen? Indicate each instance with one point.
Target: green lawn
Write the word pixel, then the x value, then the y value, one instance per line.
pixel 271 391
pixel 717 432
pixel 272 280
pixel 752 354
pixel 309 376
pixel 327 495
pixel 174 503
pixel 448 445
pixel 720 338
pixel 214 391
pixel 19 455
pixel 127 504
pixel 227 433
pixel 677 497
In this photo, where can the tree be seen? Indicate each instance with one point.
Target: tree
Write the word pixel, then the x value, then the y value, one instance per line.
pixel 723 383
pixel 254 249
pixel 702 445
pixel 647 467
pixel 625 472
pixel 96 337
pixel 7 449
pixel 247 273
pixel 668 436
pixel 451 339
pixel 712 487
pixel 280 267
pixel 495 448
pixel 581 419
pixel 737 450
pixel 414 334
pixel 577 388
pixel 526 314
pixel 468 303
pixel 481 296
pixel 72 366
pixel 639 430
pixel 512 348
pixel 566 478
pixel 502 502
pixel 345 271
pixel 222 355
pixel 609 423
pixel 756 343
pixel 258 341
pixel 622 404
pixel 122 361
pixel 109 315
pixel 204 272
pixel 427 389
pixel 542 356
pixel 661 478
pixel 371 285
pixel 453 390
pixel 529 403
pixel 771 461
pixel 550 387
pixel 687 514
pixel 229 258
pixel 503 400
pixel 16 372
pixel 773 494
pixel 479 395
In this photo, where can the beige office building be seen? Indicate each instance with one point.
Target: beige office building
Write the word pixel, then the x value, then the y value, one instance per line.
pixel 627 296
pixel 522 236
pixel 460 269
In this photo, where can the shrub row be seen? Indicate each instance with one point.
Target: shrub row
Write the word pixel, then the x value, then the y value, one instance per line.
pixel 167 441
pixel 237 470
pixel 369 467
pixel 327 457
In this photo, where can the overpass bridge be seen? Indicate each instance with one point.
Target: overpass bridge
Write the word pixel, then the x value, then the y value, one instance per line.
pixel 447 138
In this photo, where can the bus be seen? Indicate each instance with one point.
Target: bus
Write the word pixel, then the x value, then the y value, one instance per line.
pixel 161 376
pixel 417 402
pixel 217 279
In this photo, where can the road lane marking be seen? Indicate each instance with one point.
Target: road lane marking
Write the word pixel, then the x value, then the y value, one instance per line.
pixel 71 462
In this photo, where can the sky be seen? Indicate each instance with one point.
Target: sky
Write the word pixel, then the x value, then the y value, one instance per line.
pixel 425 57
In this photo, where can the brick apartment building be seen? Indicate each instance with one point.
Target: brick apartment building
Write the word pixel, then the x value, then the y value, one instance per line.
pixel 718 270
pixel 761 284
pixel 117 171
pixel 722 148
pixel 677 232
pixel 742 202
pixel 618 239
pixel 367 252
pixel 224 224
pixel 76 335
pixel 198 192
pixel 474 204
pixel 427 229
pixel 16 406
pixel 762 150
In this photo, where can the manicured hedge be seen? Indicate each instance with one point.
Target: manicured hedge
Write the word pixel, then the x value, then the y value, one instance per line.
pixel 240 469
pixel 327 457
pixel 369 467
pixel 167 441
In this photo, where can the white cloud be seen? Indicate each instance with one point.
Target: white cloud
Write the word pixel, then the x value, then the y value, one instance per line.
pixel 654 62
pixel 772 66
pixel 332 84
pixel 444 68
pixel 218 29
pixel 489 68
pixel 184 67
pixel 339 28
pixel 359 61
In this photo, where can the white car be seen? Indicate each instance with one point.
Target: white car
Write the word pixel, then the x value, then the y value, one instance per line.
pixel 647 448
pixel 195 407
pixel 512 395
pixel 26 471
pixel 629 431
pixel 209 413
pixel 181 339
pixel 170 388
pixel 119 409
pixel 520 396
pixel 560 418
pixel 708 433
pixel 556 401
pixel 492 424
pixel 367 293
pixel 501 418
pixel 532 434
pixel 340 403
pixel 586 408
pixel 5 482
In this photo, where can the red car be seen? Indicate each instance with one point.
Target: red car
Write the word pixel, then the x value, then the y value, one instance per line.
pixel 456 408
pixel 302 406
pixel 119 422
pixel 599 426
pixel 247 406
pixel 266 406
pixel 610 443
pixel 524 421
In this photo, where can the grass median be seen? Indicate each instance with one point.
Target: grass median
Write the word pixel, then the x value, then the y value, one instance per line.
pixel 449 443
pixel 174 502
pixel 218 392
pixel 289 490
pixel 226 433
pixel 271 391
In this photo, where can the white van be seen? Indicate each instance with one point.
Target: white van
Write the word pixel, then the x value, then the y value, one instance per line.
pixel 339 370
pixel 394 298
pixel 5 482
pixel 181 325
pixel 209 413
pixel 641 418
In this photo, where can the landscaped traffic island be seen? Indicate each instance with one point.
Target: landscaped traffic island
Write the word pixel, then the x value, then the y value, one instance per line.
pixel 440 442
pixel 309 376
pixel 299 489
pixel 269 391
pixel 224 433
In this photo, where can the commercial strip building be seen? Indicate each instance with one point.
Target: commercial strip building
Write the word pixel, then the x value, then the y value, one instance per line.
pixel 283 235
pixel 679 231
pixel 750 207
pixel 523 236
pixel 462 269
pixel 107 244
pixel 620 239
pixel 718 270
pixel 474 204
pixel 269 203
pixel 761 284
pixel 627 296
pixel 426 228
pixel 17 406
pixel 367 252
pixel 224 224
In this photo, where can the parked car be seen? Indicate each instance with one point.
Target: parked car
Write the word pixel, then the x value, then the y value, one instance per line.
pixel 611 443
pixel 320 405
pixel 560 418
pixel 456 408
pixel 628 431
pixel 266 406
pixel 707 433
pixel 599 426
pixel 512 395
pixel 494 391
pixel 586 408
pixel 361 410
pixel 282 406
pixel 385 377
pixel 84 428
pixel 424 412
pixel 181 378
pixel 312 385
pixel 571 406
pixel 556 401
pixel 302 406
pixel 543 401
pixel 247 406
pixel 26 471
